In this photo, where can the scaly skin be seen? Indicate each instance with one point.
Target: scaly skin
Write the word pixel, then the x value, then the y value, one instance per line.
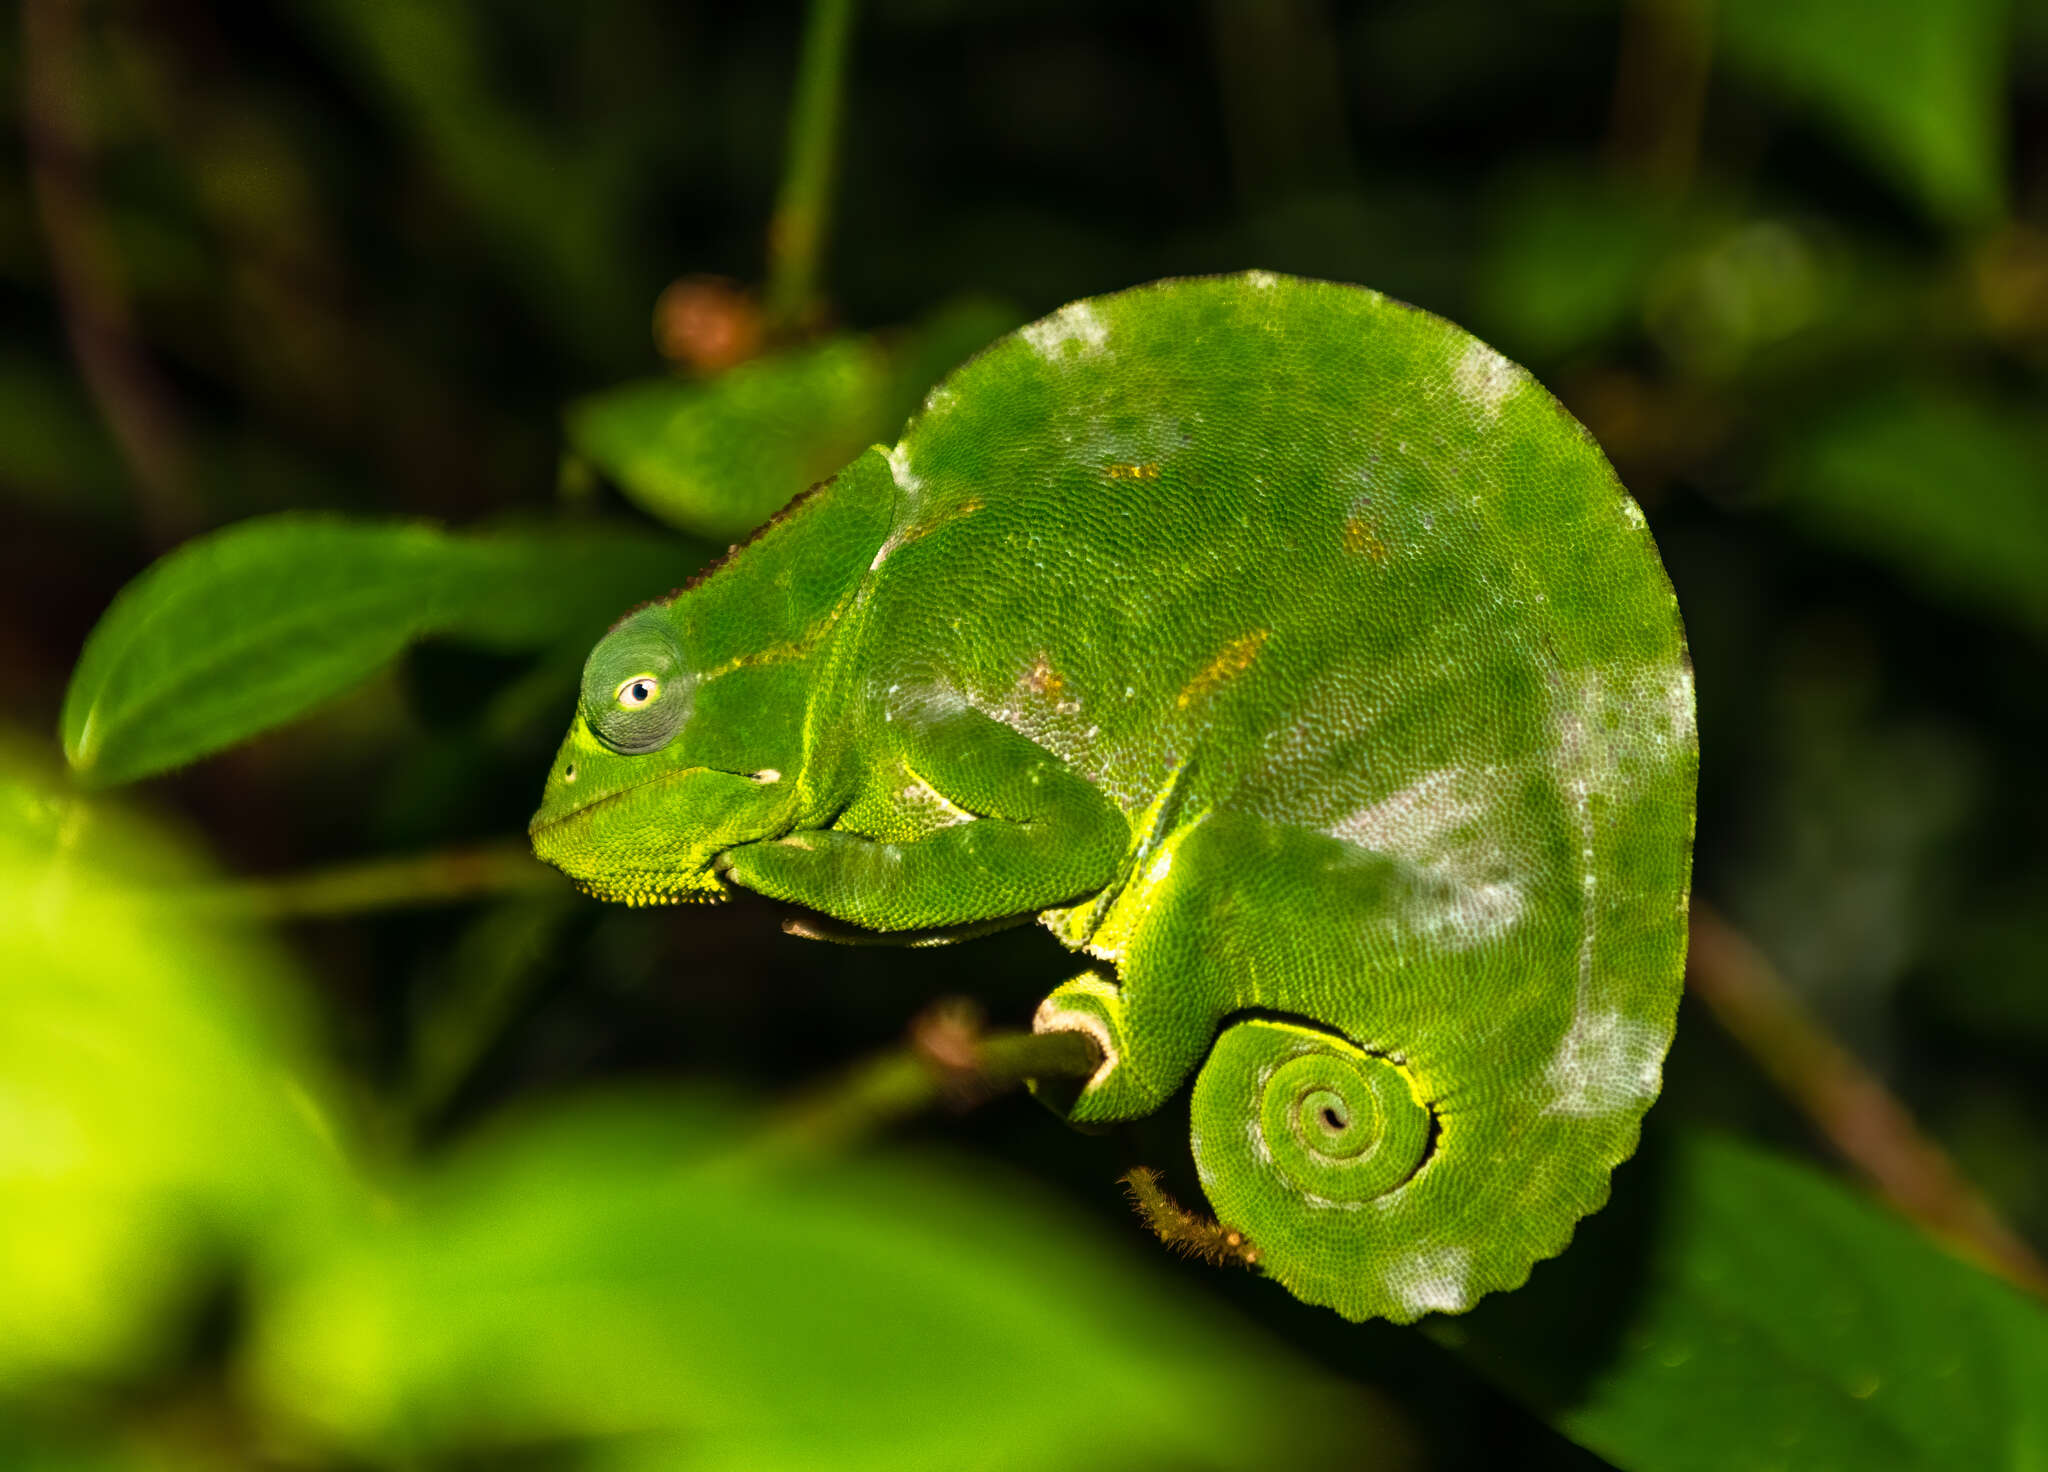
pixel 1290 653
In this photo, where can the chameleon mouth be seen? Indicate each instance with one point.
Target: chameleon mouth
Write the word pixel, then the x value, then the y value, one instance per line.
pixel 542 824
pixel 566 840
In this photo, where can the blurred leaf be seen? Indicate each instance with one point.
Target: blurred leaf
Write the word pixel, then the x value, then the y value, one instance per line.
pixel 476 992
pixel 936 346
pixel 605 1277
pixel 1919 87
pixel 242 630
pixel 160 1116
pixel 1947 490
pixel 552 208
pixel 1569 261
pixel 54 454
pixel 718 457
pixel 1763 1316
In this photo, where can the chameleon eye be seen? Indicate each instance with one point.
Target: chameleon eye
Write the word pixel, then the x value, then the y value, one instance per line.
pixel 638 691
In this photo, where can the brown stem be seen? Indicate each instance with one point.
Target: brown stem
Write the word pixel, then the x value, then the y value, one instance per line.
pixel 1849 1104
pixel 1283 95
pixel 1660 90
pixel 947 1059
pixel 97 320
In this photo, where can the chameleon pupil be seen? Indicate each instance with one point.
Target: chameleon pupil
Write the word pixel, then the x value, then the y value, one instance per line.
pixel 1332 1120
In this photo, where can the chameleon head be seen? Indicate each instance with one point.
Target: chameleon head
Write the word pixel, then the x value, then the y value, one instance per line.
pixel 637 806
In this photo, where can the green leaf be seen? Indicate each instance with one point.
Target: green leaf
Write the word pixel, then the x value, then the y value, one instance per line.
pixel 240 631
pixel 1946 490
pixel 721 456
pixel 1918 87
pixel 161 1119
pixel 1735 1310
pixel 605 1278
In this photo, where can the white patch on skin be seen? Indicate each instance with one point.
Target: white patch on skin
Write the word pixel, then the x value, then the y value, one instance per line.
pixel 1072 326
pixel 909 483
pixel 1439 824
pixel 1618 723
pixel 1633 513
pixel 907 480
pixel 1262 280
pixel 1432 1281
pixel 1607 1062
pixel 1615 727
pixel 1256 1137
pixel 1485 379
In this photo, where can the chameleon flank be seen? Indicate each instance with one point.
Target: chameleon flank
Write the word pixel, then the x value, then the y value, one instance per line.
pixel 1292 656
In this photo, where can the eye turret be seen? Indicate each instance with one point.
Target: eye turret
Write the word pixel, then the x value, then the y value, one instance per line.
pixel 636 693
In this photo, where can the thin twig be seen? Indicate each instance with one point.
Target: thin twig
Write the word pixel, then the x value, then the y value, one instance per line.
pixel 97 320
pixel 803 207
pixel 1283 96
pixel 1660 91
pixel 1849 1104
pixel 947 1059
pixel 466 872
pixel 1189 1233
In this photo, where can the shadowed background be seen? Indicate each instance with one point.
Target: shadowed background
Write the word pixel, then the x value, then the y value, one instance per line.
pixel 1789 263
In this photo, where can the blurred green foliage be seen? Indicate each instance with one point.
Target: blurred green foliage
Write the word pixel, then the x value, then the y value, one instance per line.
pixel 1788 262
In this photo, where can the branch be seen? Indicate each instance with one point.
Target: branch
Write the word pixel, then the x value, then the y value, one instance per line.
pixel 1849 1104
pixel 437 878
pixel 97 320
pixel 1660 91
pixel 803 208
pixel 947 1059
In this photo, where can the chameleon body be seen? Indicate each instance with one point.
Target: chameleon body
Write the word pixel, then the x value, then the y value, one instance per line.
pixel 1289 653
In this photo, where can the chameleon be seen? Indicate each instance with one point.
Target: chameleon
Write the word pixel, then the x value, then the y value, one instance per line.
pixel 1299 662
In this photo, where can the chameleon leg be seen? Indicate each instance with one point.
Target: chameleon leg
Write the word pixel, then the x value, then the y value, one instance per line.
pixel 1149 1044
pixel 1037 835
pixel 1176 935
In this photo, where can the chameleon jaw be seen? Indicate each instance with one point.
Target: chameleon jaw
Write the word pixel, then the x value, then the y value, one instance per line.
pixel 652 887
pixel 570 842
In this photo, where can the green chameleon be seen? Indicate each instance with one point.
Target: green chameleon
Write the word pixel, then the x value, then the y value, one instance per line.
pixel 1293 656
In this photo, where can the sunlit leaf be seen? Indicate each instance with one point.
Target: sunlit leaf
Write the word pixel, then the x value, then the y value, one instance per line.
pixel 1918 87
pixel 1733 1309
pixel 718 457
pixel 161 1123
pixel 606 1280
pixel 240 631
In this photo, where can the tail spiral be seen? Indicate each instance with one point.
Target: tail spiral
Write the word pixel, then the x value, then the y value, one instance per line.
pixel 1298 1137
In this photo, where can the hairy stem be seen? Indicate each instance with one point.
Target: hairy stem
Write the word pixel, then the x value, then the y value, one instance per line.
pixel 1849 1104
pixel 803 207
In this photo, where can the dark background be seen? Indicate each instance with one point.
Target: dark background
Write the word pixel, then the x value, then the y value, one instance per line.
pixel 357 256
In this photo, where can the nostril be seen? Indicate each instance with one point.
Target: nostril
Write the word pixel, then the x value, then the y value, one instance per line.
pixel 569 772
